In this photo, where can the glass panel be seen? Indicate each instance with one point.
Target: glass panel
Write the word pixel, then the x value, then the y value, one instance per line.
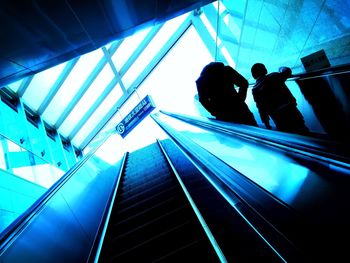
pixel 106 131
pixel 108 45
pixel 98 115
pixel 90 96
pixel 234 6
pixel 269 32
pixel 331 32
pixel 151 50
pixel 219 7
pixel 29 166
pixel 15 85
pixel 71 85
pixel 168 90
pixel 24 177
pixel 40 86
pixel 127 47
pixel 209 26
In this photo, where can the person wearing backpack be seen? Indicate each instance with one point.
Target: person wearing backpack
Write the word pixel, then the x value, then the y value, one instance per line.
pixel 217 93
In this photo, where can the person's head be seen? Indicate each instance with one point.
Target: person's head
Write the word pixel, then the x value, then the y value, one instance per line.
pixel 258 70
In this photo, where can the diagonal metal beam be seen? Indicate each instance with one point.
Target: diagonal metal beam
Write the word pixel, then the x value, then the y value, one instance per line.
pixel 81 91
pixel 212 14
pixel 148 38
pixel 105 120
pixel 231 43
pixel 163 51
pixel 115 45
pixel 204 34
pixel 24 85
pixel 56 86
pixel 154 62
pixel 107 57
pixel 114 69
pixel 241 33
pixel 93 108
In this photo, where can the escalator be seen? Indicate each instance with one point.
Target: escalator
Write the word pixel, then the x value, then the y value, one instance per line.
pixel 176 201
pixel 300 205
pixel 151 206
pixel 151 220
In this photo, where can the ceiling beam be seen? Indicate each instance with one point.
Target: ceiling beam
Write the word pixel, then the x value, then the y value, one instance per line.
pixel 148 69
pixel 81 91
pixel 205 35
pixel 24 85
pixel 57 85
pixel 93 108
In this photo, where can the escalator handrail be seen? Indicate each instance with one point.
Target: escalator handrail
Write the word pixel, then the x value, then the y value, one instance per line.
pixel 322 72
pixel 332 152
pixel 335 70
pixel 16 226
pixel 101 233
pixel 200 218
pixel 233 185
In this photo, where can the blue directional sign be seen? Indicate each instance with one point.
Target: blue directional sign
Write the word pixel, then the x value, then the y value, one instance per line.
pixel 135 116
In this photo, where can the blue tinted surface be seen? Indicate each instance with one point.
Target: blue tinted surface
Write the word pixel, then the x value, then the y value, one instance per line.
pixel 275 171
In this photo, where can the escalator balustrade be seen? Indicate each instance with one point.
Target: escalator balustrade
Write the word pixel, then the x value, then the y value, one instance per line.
pixel 151 219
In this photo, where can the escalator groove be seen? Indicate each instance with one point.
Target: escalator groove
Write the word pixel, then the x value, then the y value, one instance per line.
pixel 151 219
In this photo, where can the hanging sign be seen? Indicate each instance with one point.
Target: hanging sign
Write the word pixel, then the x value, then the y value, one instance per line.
pixel 315 61
pixel 135 116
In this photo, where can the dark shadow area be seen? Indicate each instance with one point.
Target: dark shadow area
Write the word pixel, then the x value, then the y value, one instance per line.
pixel 328 96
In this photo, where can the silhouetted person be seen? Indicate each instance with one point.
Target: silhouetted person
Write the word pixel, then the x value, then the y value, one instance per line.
pixel 218 95
pixel 274 99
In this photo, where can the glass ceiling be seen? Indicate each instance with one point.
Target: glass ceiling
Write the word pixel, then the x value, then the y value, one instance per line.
pixel 81 96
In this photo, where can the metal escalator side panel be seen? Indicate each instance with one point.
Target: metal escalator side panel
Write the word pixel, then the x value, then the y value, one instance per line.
pixel 151 218
pixel 237 238
pixel 101 233
pixel 64 230
pixel 265 214
pixel 201 219
pixel 328 152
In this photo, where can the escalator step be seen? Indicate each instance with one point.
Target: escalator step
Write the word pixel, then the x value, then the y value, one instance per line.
pixel 199 248
pixel 147 202
pixel 163 244
pixel 134 222
pixel 148 230
pixel 151 218
pixel 141 194
pixel 136 186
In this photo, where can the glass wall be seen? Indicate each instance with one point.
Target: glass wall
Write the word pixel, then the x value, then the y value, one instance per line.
pixel 165 59
pixel 24 177
pixel 239 34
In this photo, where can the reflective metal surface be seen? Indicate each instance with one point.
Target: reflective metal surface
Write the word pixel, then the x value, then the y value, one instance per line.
pixel 287 177
pixel 75 210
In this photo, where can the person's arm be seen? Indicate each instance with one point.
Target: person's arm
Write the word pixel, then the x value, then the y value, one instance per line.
pixel 285 73
pixel 266 121
pixel 239 81
pixel 203 96
pixel 264 116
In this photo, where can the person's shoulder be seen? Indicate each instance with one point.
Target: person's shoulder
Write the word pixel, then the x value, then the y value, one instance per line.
pixel 212 68
pixel 273 74
pixel 214 65
pixel 258 85
pixel 274 77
